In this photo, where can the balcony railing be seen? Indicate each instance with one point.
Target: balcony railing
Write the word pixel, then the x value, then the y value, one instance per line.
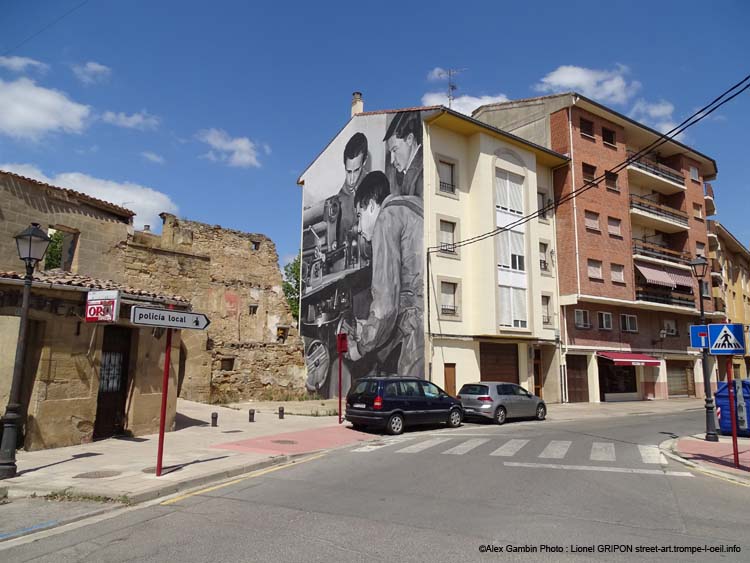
pixel 711 227
pixel 544 265
pixel 719 305
pixel 664 297
pixel 644 204
pixel 449 310
pixel 447 187
pixel 546 319
pixel 646 248
pixel 715 266
pixel 657 169
pixel 449 247
pixel 708 190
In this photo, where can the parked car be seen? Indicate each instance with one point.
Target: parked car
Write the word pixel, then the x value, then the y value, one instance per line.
pixel 393 403
pixel 499 401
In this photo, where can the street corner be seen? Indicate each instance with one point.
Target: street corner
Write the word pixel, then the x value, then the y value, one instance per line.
pixel 712 458
pixel 305 441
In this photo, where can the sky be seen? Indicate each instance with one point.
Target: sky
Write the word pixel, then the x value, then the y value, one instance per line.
pixel 212 110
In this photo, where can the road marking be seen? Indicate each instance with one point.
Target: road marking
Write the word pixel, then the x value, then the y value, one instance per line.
pixel 421 446
pixel 382 444
pixel 651 454
pixel 510 448
pixel 245 478
pixel 556 449
pixel 467 446
pixel 602 451
pixel 599 468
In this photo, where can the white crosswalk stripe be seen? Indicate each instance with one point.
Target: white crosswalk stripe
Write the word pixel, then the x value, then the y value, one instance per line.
pixel 556 449
pixel 510 448
pixel 602 451
pixel 651 454
pixel 466 446
pixel 421 446
pixel 382 444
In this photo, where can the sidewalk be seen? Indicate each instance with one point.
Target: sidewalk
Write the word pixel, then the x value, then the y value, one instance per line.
pixel 584 411
pixel 712 458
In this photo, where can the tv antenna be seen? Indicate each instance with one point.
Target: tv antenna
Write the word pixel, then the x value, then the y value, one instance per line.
pixel 452 87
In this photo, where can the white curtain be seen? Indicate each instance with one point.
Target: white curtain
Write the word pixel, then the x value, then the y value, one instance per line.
pixel 445 170
pixel 447 294
pixel 446 232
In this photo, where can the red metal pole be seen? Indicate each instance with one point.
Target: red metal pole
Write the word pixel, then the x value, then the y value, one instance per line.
pixel 164 393
pixel 730 386
pixel 340 419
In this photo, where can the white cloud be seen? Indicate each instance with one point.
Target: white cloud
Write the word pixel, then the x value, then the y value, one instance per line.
pixel 153 157
pixel 238 151
pixel 436 74
pixel 657 115
pixel 286 259
pixel 146 202
pixel 19 64
pixel 91 72
pixel 464 104
pixel 141 120
pixel 28 111
pixel 608 86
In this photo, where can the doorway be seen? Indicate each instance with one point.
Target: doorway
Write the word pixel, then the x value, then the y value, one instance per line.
pixel 113 383
pixel 538 378
pixel 450 379
pixel 578 379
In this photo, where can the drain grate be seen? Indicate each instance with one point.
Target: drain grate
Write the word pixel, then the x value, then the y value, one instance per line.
pixel 289 442
pixel 97 475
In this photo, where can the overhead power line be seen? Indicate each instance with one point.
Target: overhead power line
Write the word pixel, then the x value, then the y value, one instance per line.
pixel 43 29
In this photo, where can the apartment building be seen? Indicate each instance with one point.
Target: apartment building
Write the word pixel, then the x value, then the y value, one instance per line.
pixel 627 291
pixel 730 284
pixel 459 312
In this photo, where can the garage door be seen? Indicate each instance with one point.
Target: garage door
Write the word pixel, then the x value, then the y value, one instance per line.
pixel 578 379
pixel 498 362
pixel 677 378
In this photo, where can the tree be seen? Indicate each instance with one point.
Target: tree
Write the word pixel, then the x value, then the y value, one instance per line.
pixel 291 286
pixel 53 258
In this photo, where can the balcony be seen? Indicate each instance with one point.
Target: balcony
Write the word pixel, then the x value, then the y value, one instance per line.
pixel 713 239
pixel 720 305
pixel 448 247
pixel 657 216
pixel 543 265
pixel 655 175
pixel 546 320
pixel 708 199
pixel 450 310
pixel 447 187
pixel 660 252
pixel 665 297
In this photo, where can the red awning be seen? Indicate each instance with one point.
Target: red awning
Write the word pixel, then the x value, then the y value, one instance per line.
pixel 680 277
pixel 655 275
pixel 627 359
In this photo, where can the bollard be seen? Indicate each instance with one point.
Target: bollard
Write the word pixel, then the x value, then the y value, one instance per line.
pixel 214 419
pixel 251 415
pixel 281 412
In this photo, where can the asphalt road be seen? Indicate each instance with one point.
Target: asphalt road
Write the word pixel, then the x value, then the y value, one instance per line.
pixel 440 494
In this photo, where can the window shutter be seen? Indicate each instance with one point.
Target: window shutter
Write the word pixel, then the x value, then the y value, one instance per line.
pixel 447 294
pixel 501 188
pixel 445 171
pixel 594 269
pixel 614 226
pixel 447 230
pixel 516 243
pixel 592 220
pixel 503 249
pixel 519 304
pixel 516 192
pixel 505 315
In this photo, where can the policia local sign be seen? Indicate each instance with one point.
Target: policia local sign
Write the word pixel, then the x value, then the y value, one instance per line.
pixel 166 318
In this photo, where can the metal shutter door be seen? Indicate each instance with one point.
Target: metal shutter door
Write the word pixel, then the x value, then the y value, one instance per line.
pixel 498 362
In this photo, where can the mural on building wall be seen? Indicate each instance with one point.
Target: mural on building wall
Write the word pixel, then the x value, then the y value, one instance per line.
pixel 362 253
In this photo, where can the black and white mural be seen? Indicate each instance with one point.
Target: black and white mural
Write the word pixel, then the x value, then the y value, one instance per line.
pixel 362 253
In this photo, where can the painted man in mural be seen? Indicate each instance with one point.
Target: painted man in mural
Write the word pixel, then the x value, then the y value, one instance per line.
pixel 404 148
pixel 393 224
pixel 355 166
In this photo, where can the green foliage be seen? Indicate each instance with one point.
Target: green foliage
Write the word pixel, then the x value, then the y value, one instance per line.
pixel 291 286
pixel 53 258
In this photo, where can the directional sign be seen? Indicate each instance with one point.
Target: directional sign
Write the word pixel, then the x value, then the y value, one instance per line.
pixel 698 336
pixel 726 339
pixel 167 318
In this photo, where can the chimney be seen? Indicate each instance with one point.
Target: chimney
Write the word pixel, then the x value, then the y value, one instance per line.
pixel 358 106
pixel 146 228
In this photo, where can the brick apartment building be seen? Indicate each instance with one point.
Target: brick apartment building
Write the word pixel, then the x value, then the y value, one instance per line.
pixel 627 292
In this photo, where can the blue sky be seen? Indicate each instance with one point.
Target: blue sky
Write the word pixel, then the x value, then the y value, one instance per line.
pixel 212 110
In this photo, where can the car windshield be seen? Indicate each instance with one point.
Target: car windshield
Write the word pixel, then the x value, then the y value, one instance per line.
pixel 473 389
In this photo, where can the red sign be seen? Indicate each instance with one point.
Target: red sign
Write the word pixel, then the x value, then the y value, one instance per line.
pixel 102 306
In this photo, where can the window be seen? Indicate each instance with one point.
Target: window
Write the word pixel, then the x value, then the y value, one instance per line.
pixel 543 264
pixel 282 333
pixel 605 320
pixel 61 249
pixel 430 390
pixel 510 250
pixel 608 136
pixel 582 318
pixel 700 249
pixel 447 236
pixel 628 323
pixel 618 273
pixel 448 298
pixel 227 364
pixel 610 181
pixel 252 308
pixel 697 211
pixel 254 245
pixel 391 389
pixel 587 127
pixel 694 174
pixel 512 304
pixel 540 205
pixel 670 327
pixel 595 269
pixel 546 310
pixel 509 191
pixel 705 293
pixel 589 173
pixel 592 220
pixel 410 389
pixel 447 180
pixel 613 227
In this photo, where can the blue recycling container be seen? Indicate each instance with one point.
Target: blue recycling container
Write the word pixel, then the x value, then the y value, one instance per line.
pixel 721 399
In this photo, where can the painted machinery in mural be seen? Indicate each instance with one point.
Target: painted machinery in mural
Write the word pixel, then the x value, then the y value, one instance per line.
pixel 336 278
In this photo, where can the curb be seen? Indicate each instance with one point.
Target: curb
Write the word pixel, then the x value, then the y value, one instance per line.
pixel 63 522
pixel 668 449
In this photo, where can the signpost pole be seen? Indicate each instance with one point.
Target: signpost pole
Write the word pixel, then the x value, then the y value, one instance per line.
pixel 730 388
pixel 164 393
pixel 341 348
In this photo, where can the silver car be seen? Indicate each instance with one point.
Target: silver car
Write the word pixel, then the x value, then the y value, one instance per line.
pixel 499 401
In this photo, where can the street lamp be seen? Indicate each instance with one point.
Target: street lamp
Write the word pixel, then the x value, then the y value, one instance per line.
pixel 32 244
pixel 700 267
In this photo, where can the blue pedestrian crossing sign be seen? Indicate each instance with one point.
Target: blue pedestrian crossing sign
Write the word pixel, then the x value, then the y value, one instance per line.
pixel 698 336
pixel 726 339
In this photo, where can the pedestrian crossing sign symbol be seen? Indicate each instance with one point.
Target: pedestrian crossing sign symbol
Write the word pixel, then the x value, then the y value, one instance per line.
pixel 726 339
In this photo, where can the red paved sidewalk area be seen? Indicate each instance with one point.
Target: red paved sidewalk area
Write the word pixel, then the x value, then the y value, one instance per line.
pixel 299 442
pixel 716 455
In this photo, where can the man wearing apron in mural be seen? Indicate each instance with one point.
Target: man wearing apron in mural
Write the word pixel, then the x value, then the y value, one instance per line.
pixel 393 223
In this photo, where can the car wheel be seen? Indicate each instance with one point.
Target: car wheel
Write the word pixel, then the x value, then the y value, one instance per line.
pixel 541 412
pixel 395 424
pixel 454 418
pixel 500 415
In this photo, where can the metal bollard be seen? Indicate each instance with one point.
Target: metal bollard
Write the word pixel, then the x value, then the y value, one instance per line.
pixel 214 419
pixel 251 415
pixel 281 412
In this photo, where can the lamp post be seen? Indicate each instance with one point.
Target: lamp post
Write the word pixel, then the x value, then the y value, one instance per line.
pixel 700 266
pixel 32 244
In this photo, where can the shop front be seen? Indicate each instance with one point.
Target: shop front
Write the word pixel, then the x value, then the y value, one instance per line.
pixel 619 375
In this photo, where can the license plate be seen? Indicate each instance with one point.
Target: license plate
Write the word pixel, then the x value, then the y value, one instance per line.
pixel 359 405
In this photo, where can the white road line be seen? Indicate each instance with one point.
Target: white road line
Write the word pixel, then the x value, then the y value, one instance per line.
pixel 466 446
pixel 602 451
pixel 650 454
pixel 510 448
pixel 415 448
pixel 382 444
pixel 599 468
pixel 556 449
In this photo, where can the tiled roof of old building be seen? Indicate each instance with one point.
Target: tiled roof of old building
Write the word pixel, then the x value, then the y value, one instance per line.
pixel 58 278
pixel 116 209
